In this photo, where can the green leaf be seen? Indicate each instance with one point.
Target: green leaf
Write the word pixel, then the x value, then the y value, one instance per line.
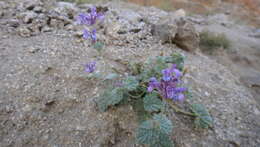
pixel 188 94
pixel 153 68
pixel 138 107
pixel 94 76
pixel 130 83
pixel 152 103
pixel 165 124
pixel 98 46
pixel 203 120
pixel 135 68
pixel 155 132
pixel 175 58
pixel 111 76
pixel 165 141
pixel 160 64
pixel 110 97
pixel 148 133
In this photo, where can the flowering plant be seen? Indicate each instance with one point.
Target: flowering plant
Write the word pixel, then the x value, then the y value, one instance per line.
pixel 90 19
pixel 168 85
pixel 142 87
pixel 151 88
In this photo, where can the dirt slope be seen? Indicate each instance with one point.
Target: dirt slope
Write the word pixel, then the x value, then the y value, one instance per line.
pixel 46 99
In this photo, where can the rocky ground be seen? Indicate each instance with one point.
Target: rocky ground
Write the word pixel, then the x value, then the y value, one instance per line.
pixel 47 100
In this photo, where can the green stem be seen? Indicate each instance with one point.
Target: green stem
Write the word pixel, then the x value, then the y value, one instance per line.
pixel 117 71
pixel 133 96
pixel 180 111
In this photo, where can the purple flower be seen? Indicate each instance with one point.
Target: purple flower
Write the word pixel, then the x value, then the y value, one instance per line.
pixel 90 67
pixel 90 18
pixel 153 84
pixel 167 74
pixel 91 35
pixel 168 85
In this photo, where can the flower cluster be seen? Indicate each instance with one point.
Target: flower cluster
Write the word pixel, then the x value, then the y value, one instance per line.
pixel 90 19
pixel 90 67
pixel 168 85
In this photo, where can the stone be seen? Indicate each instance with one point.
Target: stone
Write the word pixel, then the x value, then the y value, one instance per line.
pixel 35 27
pixel 46 29
pixel 28 17
pixel 131 16
pixel 164 32
pixel 251 81
pixel 255 33
pixel 67 9
pixel 70 27
pixel 78 34
pixel 56 23
pixel 13 23
pixel 38 9
pixel 187 37
pixel 3 5
pixel 179 13
pixel 24 31
pixel 112 29
pixel 31 4
pixel 197 20
pixel 1 14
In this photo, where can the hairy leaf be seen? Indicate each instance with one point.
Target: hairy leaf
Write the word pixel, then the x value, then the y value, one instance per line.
pixel 175 58
pixel 130 83
pixel 111 76
pixel 165 124
pixel 110 97
pixel 98 46
pixel 152 103
pixel 178 59
pixel 203 119
pixel 154 68
pixel 163 141
pixel 155 131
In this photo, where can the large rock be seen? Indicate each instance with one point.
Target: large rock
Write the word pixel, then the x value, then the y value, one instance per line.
pixel 177 31
pixel 165 32
pixel 187 37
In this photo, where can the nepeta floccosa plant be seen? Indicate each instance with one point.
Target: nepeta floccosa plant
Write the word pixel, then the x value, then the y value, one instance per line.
pixel 90 21
pixel 150 98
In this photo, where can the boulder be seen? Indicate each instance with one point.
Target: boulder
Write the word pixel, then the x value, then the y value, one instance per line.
pixel 177 31
pixel 165 32
pixel 186 37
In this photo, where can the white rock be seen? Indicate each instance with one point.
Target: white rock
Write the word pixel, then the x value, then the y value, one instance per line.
pixel 180 13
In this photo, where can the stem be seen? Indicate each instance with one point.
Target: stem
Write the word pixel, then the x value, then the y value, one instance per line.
pixel 181 111
pixel 117 71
